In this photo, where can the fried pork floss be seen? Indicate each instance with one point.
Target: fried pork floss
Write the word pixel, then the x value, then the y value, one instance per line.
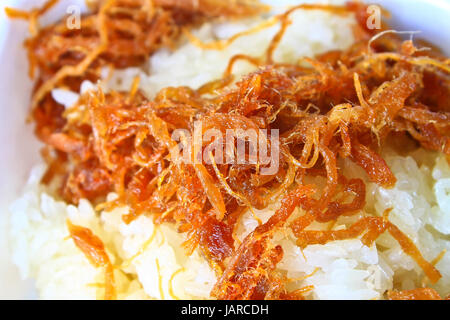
pixel 94 250
pixel 342 104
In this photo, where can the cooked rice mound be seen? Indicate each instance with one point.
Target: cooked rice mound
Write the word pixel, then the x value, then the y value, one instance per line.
pixel 359 208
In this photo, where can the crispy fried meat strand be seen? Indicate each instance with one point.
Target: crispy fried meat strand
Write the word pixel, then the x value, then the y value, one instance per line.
pixel 94 250
pixel 415 294
pixel 117 33
pixel 251 274
pixel 370 228
pixel 374 165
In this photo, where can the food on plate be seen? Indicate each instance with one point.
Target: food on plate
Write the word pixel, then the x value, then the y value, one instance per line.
pixel 345 194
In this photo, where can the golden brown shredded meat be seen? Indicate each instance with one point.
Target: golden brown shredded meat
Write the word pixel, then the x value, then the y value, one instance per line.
pixel 94 250
pixel 341 104
pixel 415 294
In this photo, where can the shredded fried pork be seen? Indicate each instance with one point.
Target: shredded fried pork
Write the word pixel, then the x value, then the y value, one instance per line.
pixel 341 104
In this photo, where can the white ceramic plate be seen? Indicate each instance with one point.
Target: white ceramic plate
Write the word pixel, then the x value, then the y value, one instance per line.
pixel 19 148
